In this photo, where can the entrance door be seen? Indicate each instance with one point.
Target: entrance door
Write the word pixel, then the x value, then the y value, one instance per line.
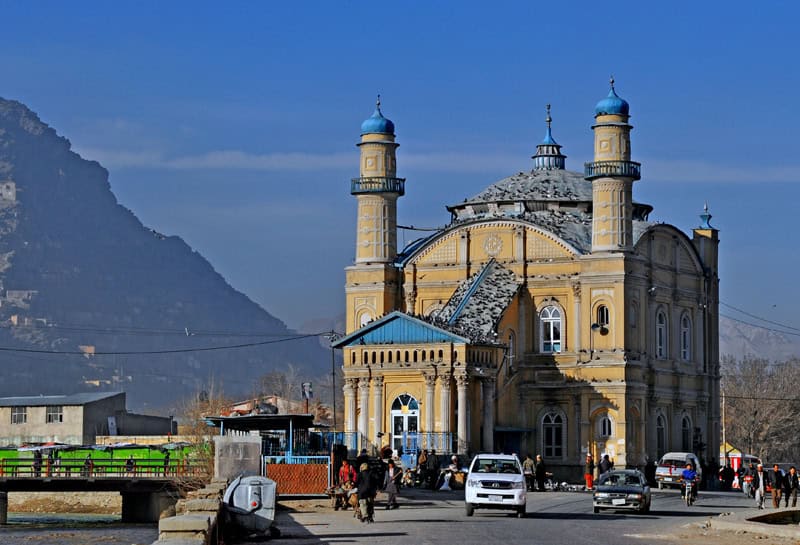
pixel 405 423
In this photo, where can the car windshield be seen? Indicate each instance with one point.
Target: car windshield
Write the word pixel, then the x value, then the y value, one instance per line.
pixel 620 479
pixel 496 465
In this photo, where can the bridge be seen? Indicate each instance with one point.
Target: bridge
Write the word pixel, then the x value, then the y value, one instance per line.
pixel 147 486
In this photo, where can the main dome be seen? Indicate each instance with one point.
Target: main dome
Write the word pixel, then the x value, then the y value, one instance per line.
pixel 612 104
pixel 376 123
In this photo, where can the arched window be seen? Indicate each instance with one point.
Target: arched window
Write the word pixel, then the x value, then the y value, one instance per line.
pixel 686 338
pixel 686 434
pixel 602 316
pixel 365 319
pixel 550 323
pixel 661 435
pixel 604 426
pixel 553 435
pixel 661 335
pixel 510 355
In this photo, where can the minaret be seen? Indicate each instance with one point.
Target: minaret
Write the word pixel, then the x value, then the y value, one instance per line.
pixel 548 153
pixel 372 287
pixel 612 174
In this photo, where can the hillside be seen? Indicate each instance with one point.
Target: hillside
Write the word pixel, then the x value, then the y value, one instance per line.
pixel 79 272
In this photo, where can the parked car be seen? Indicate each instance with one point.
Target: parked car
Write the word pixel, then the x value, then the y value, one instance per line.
pixel 495 481
pixel 672 464
pixel 622 489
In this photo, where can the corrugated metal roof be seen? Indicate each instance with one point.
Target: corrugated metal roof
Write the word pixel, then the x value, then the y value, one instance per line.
pixel 40 401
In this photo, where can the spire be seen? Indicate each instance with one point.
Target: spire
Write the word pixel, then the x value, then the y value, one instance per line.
pixel 706 217
pixel 548 153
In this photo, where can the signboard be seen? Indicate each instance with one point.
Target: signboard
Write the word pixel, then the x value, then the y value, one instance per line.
pixel 308 393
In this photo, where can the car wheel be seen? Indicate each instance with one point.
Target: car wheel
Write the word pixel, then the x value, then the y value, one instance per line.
pixel 596 510
pixel 470 510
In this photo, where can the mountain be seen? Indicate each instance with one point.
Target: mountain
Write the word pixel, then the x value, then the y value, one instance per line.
pixel 738 339
pixel 80 273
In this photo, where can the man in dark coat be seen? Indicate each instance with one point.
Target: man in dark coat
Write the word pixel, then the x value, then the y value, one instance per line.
pixel 540 471
pixel 366 488
pixel 605 465
pixel 433 468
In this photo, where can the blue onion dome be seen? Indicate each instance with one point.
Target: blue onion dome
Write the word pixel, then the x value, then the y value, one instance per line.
pixel 377 123
pixel 612 104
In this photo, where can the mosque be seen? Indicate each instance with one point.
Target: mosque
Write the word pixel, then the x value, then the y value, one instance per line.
pixel 550 316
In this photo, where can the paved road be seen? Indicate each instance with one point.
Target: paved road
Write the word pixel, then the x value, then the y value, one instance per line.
pixel 554 518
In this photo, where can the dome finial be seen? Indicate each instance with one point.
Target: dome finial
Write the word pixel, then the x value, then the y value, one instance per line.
pixel 378 102
pixel 548 119
pixel 611 81
pixel 706 217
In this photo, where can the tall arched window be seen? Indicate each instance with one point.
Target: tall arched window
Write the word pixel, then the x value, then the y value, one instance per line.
pixel 686 434
pixel 602 316
pixel 550 320
pixel 661 335
pixel 661 435
pixel 686 338
pixel 511 353
pixel 604 426
pixel 553 435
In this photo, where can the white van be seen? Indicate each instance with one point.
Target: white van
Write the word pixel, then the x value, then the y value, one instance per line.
pixel 671 466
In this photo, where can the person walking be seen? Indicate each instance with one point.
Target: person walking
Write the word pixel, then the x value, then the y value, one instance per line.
pixel 605 465
pixel 365 486
pixel 391 484
pixel 588 471
pixel 433 469
pixel 759 484
pixel 540 471
pixel 791 483
pixel 777 485
pixel 527 469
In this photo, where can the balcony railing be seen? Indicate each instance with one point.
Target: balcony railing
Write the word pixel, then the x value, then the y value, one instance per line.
pixel 601 169
pixel 377 184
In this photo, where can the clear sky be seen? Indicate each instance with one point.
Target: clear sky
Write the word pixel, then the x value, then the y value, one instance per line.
pixel 233 124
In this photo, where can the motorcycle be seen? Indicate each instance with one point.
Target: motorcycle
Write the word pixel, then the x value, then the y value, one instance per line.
pixel 688 492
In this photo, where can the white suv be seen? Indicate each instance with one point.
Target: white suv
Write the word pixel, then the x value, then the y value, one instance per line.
pixel 495 481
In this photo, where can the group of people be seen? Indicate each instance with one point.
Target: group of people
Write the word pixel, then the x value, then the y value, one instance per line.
pixel 535 473
pixel 606 464
pixel 782 484
pixel 365 483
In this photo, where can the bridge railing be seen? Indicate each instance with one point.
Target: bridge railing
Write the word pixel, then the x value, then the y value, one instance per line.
pixel 98 468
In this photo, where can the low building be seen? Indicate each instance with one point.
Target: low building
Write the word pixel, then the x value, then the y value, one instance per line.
pixel 73 419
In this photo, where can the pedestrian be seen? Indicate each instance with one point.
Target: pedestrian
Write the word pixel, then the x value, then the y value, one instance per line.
pixel 130 465
pixel 527 469
pixel 650 472
pixel 433 469
pixel 540 471
pixel 727 474
pixel 760 481
pixel 588 471
pixel 366 488
pixel 166 463
pixel 346 474
pixel 790 487
pixel 777 485
pixel 605 465
pixel 747 480
pixel 362 458
pixel 88 466
pixel 422 467
pixel 391 485
pixel 37 463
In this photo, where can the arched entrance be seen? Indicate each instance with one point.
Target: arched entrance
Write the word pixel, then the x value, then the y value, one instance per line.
pixel 405 421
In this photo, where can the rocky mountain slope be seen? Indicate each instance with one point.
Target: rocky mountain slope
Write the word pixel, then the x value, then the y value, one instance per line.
pixel 80 273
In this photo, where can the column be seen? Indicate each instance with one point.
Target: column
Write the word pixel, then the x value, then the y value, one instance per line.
pixel 430 381
pixel 444 408
pixel 377 408
pixel 462 381
pixel 363 407
pixel 488 414
pixel 349 390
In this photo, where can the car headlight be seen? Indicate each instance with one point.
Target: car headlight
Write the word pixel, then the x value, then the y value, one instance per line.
pixel 520 485
pixel 601 495
pixel 634 496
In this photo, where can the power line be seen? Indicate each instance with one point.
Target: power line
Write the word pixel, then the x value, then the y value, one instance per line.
pixel 153 352
pixel 760 326
pixel 758 317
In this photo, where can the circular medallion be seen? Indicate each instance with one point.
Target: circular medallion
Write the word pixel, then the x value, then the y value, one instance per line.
pixel 492 245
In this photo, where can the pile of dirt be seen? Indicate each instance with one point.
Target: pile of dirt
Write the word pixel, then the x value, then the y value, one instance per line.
pixel 103 503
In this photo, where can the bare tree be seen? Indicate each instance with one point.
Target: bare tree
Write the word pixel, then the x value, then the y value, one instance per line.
pixel 762 406
pixel 191 411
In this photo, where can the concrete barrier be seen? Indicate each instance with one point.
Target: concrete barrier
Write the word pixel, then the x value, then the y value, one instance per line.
pixel 197 518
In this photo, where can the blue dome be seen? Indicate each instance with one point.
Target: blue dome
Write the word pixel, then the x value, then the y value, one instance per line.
pixel 377 123
pixel 611 105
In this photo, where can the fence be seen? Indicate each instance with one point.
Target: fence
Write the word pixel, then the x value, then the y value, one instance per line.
pixel 299 475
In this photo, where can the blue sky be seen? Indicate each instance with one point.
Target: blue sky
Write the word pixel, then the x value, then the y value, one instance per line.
pixel 233 125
